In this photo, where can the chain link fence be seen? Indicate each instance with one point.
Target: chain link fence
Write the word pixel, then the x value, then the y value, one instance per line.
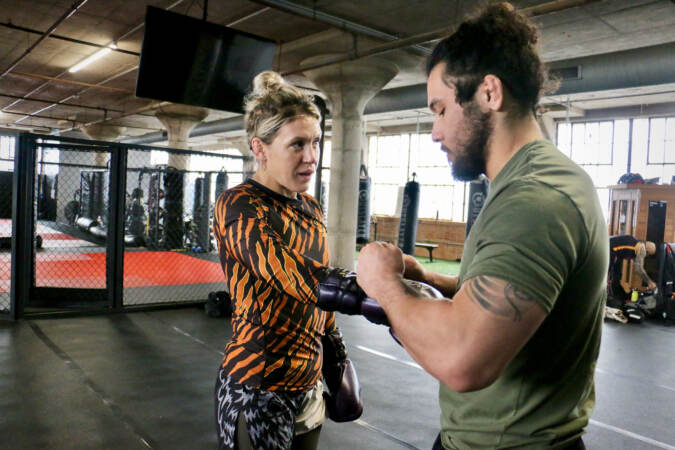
pixel 72 183
pixel 6 179
pixel 167 253
pixel 170 251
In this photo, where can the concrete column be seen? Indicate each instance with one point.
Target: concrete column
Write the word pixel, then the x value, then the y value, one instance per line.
pixel 179 120
pixel 249 165
pixel 101 132
pixel 349 86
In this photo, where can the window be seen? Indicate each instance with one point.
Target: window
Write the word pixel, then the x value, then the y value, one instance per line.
pixel 394 159
pixel 602 149
pixel 7 153
pixel 653 154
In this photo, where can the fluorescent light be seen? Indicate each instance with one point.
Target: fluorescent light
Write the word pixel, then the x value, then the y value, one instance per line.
pixel 85 62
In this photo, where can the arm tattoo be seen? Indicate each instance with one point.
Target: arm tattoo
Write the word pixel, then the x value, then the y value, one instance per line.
pixel 498 297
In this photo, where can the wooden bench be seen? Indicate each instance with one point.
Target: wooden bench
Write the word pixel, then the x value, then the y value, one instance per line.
pixel 429 247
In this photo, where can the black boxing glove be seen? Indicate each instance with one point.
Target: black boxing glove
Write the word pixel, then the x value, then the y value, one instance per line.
pixel 340 292
pixel 343 399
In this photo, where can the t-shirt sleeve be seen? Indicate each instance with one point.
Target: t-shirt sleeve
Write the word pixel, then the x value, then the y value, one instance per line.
pixel 531 236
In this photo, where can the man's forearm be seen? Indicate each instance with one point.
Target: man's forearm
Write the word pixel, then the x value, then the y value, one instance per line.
pixel 445 283
pixel 422 326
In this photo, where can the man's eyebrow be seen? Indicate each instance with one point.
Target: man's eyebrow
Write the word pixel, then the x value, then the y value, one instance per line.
pixel 433 103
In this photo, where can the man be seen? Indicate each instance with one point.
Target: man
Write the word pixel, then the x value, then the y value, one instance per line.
pixel 515 349
pixel 627 255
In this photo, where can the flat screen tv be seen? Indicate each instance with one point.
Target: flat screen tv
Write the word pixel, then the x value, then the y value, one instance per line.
pixel 194 62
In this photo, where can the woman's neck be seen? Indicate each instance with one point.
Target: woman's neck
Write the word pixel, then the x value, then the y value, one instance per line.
pixel 270 183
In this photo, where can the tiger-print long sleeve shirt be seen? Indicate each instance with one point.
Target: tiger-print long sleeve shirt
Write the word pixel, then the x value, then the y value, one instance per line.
pixel 273 251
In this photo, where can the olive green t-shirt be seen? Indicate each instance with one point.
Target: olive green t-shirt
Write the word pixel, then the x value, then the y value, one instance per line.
pixel 542 230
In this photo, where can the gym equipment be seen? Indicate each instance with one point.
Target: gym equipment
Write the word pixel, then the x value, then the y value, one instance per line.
pixel 6 186
pixel 657 303
pixel 134 223
pixel 173 206
pixel 221 183
pixel 165 207
pixel 343 399
pixel 201 213
pixel 478 191
pixel 6 242
pixel 218 304
pixel 407 231
pixel 46 195
pixel 363 217
pixel 340 292
pixel 93 195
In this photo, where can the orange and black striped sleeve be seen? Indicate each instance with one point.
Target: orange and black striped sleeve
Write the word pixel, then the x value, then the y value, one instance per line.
pixel 266 256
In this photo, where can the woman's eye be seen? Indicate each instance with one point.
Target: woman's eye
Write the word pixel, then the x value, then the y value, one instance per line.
pixel 442 113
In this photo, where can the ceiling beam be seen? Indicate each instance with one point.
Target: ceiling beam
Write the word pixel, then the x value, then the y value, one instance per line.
pixel 65 38
pixel 73 82
pixel 338 22
pixel 73 9
pixel 60 103
pixel 429 36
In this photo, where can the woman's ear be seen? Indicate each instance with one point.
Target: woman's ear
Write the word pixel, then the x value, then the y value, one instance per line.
pixel 258 149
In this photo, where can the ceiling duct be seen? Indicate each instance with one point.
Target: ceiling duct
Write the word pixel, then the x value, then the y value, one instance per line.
pixel 567 73
pixel 647 66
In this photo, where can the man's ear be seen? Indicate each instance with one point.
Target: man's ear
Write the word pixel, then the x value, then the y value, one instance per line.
pixel 491 93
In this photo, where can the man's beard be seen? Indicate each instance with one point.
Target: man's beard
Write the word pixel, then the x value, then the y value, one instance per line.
pixel 470 161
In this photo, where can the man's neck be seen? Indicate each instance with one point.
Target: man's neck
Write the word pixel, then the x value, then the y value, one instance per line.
pixel 507 138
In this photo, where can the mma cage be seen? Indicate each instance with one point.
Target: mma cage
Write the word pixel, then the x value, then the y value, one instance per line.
pixel 93 227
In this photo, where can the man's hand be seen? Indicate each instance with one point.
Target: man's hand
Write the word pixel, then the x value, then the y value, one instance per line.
pixel 651 285
pixel 413 269
pixel 379 265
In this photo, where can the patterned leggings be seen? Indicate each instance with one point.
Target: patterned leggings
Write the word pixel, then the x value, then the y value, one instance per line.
pixel 269 416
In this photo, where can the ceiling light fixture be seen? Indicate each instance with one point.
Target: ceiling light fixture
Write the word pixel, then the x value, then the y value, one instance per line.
pixel 85 62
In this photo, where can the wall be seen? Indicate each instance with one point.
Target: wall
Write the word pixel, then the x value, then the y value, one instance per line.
pixel 448 235
pixel 644 193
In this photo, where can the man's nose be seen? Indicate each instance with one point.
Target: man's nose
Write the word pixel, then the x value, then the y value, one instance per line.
pixel 436 134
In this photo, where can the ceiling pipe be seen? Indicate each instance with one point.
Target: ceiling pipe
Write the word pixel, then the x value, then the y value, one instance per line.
pixel 73 82
pixel 629 68
pixel 68 39
pixel 73 9
pixel 647 66
pixel 343 24
pixel 99 84
pixel 434 35
pixel 38 88
pixel 61 103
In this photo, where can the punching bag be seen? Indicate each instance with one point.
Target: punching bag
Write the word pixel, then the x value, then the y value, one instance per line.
pixel 478 191
pixel 407 229
pixel 363 217
pixel 173 205
pixel 221 183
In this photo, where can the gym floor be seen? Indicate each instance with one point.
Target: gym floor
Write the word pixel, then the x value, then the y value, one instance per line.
pixel 145 380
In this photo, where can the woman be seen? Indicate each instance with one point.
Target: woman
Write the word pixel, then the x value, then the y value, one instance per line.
pixel 272 244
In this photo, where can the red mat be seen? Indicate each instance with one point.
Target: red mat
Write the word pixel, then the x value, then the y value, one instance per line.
pixel 141 269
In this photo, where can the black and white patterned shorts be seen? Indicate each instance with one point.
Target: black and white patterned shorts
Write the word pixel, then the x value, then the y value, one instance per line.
pixel 270 416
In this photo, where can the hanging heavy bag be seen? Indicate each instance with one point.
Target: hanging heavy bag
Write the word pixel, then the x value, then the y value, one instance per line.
pixel 343 399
